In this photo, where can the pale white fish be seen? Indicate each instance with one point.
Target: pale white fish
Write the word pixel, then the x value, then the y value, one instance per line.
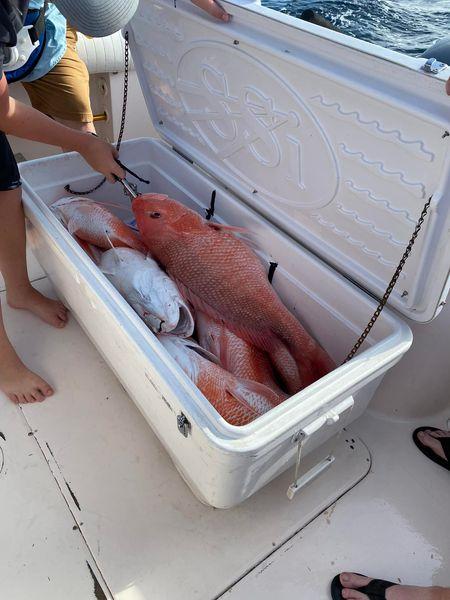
pixel 149 290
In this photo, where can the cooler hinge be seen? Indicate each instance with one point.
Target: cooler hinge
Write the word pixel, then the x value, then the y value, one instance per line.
pixel 433 66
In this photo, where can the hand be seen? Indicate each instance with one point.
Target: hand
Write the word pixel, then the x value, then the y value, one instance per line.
pixel 100 156
pixel 213 8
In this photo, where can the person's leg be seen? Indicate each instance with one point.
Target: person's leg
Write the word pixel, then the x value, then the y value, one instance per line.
pixel 19 291
pixel 18 382
pixel 351 582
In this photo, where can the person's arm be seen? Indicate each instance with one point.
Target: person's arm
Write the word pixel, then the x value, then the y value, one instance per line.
pixel 26 122
pixel 213 8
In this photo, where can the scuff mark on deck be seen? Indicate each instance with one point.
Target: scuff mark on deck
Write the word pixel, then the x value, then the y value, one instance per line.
pixel 98 590
pixel 266 566
pixel 74 498
pixel 2 435
pixel 329 513
pixel 49 449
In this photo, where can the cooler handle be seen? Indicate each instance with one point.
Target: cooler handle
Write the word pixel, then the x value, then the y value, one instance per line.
pixel 331 417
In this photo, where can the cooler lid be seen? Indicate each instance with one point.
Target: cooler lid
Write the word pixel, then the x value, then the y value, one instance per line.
pixel 336 141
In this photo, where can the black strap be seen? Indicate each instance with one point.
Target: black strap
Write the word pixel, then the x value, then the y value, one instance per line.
pixel 376 589
pixel 127 170
pixel 445 443
pixel 39 26
pixel 69 190
pixel 272 268
pixel 212 206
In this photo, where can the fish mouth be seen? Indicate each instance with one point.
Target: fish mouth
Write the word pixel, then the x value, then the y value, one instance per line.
pixel 185 325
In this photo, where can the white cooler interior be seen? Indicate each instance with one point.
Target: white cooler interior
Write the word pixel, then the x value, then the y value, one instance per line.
pixel 335 314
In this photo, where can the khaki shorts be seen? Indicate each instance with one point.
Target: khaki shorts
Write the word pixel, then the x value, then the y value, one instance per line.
pixel 64 92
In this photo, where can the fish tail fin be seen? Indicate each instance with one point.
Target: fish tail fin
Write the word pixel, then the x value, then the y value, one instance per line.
pixel 254 396
pixel 312 360
pixel 288 367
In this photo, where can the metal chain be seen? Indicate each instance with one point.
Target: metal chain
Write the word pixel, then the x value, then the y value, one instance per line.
pixel 125 91
pixel 392 283
pixel 122 122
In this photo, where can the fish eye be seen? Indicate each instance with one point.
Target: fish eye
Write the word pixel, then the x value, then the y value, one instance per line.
pixel 155 215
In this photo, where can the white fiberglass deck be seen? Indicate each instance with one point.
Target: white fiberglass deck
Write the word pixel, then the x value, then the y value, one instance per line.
pixel 146 533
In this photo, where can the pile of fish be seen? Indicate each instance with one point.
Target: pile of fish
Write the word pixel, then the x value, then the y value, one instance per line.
pixel 250 352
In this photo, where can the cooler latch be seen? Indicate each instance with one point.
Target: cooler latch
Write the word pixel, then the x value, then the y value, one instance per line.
pixel 433 66
pixel 183 424
pixel 329 418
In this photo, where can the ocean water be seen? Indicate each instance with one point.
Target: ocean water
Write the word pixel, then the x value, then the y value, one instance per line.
pixel 409 26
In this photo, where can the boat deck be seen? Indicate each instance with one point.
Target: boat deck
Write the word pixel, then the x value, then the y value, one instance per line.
pixel 92 507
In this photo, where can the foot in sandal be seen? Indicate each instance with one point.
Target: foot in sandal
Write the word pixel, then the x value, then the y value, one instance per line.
pixel 359 587
pixel 435 444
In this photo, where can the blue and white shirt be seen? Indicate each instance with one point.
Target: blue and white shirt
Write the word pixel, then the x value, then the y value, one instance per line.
pixel 55 44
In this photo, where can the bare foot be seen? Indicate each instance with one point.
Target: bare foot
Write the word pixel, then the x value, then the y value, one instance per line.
pixel 19 383
pixel 431 440
pixel 351 582
pixel 50 311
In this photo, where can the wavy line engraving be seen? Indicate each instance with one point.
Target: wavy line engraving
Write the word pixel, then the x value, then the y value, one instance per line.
pixel 396 133
pixel 380 167
pixel 388 205
pixel 367 223
pixel 354 242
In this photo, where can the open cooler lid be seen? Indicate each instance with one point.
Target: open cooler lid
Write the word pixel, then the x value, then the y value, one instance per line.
pixel 336 141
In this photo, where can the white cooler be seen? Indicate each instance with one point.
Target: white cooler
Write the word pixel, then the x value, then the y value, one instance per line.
pixel 326 149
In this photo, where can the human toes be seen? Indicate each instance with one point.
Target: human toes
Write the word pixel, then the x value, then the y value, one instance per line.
pixel 353 594
pixel 34 396
pixel 438 433
pixel 37 396
pixel 353 580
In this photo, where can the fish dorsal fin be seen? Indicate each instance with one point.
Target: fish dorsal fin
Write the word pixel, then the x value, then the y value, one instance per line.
pixel 227 228
pixel 241 233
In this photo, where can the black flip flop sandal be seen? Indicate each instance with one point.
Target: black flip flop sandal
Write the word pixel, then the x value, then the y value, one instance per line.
pixel 375 590
pixel 445 443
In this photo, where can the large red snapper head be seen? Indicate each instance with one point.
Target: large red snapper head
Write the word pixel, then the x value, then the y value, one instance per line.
pixel 159 217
